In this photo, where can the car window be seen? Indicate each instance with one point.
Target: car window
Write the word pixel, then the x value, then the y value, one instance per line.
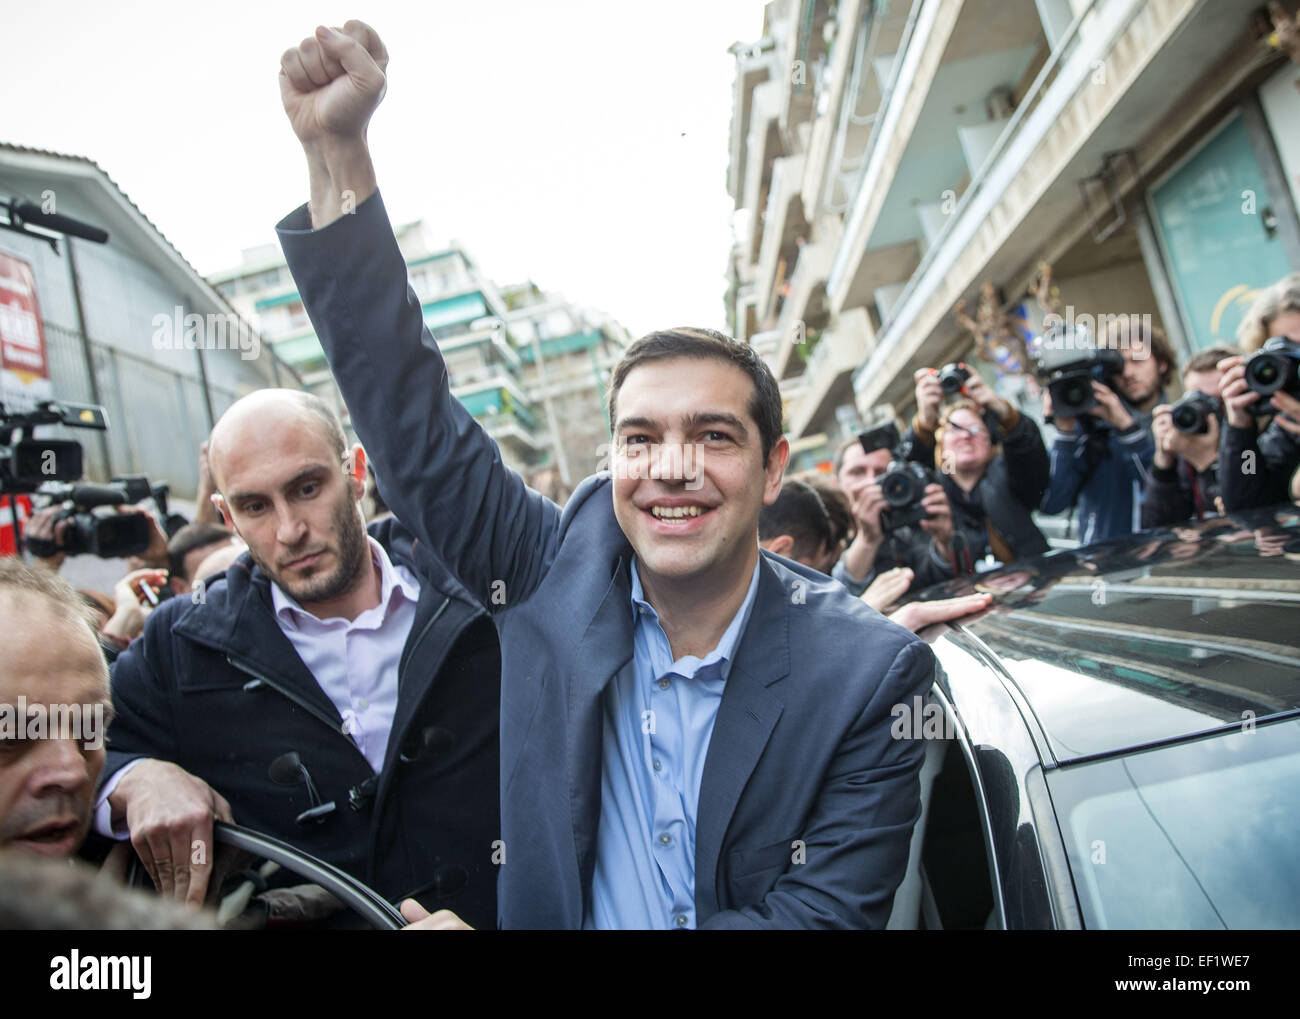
pixel 1201 834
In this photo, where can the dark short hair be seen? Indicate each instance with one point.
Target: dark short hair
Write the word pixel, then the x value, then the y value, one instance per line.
pixel 689 341
pixel 190 537
pixel 1208 359
pixel 838 510
pixel 1151 336
pixel 799 512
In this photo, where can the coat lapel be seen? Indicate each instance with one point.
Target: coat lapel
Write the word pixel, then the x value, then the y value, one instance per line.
pixel 606 648
pixel 746 717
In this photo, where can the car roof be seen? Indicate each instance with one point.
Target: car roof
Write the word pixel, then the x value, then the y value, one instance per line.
pixel 1156 637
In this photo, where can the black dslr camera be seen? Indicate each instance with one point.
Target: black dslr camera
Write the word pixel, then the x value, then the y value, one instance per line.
pixel 952 377
pixel 1068 366
pixel 1191 414
pixel 1275 367
pixel 902 484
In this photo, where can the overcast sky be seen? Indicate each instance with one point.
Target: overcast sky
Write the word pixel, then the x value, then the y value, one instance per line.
pixel 582 144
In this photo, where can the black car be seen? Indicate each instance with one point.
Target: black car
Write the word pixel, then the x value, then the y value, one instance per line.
pixel 1115 743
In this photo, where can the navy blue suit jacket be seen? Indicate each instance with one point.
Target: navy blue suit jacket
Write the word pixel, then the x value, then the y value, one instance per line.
pixel 806 804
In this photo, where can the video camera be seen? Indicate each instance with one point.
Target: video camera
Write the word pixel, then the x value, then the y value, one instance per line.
pixel 108 535
pixel 1068 365
pixel 52 467
pixel 903 483
pixel 1275 367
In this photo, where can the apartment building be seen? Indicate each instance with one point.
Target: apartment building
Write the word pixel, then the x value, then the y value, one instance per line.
pixel 528 365
pixel 888 160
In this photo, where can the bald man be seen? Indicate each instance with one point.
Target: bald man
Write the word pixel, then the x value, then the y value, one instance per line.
pixel 53 710
pixel 335 687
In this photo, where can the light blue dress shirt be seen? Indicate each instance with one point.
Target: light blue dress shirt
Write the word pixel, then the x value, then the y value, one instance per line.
pixel 658 718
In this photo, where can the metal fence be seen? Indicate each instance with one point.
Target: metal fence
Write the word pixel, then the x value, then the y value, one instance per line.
pixel 157 414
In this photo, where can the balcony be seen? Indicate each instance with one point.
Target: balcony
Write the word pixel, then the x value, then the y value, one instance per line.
pixel 843 346
pixel 937 118
pixel 782 225
pixel 1165 65
pixel 804 302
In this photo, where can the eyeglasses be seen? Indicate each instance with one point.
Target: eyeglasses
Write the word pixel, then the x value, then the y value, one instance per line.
pixel 975 431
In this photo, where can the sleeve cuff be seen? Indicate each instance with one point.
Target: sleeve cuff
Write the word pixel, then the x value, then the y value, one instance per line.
pixel 103 816
pixel 923 433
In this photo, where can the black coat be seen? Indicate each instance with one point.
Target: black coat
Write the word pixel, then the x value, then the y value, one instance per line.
pixel 1179 493
pixel 217 688
pixel 1005 497
pixel 1264 477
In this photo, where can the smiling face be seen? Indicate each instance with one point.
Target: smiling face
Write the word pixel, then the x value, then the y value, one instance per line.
pixel 47 781
pixel 966 443
pixel 689 476
pixel 285 491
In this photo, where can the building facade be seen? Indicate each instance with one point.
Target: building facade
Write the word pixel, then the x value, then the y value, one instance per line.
pixel 546 414
pixel 891 160
pixel 128 324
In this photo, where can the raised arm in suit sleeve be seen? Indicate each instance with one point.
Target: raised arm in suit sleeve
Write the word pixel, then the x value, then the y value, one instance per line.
pixel 858 836
pixel 438 470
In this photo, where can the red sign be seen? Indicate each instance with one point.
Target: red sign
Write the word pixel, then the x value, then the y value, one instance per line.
pixel 7 544
pixel 22 339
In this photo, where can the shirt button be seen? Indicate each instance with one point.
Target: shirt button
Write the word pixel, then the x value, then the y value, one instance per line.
pixel 658 764
pixel 363 704
pixel 663 684
pixel 665 839
pixel 682 920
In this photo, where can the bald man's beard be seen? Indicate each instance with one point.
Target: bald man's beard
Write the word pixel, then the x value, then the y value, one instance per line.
pixel 351 553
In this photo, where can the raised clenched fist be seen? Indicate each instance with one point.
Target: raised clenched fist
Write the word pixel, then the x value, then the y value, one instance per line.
pixel 332 82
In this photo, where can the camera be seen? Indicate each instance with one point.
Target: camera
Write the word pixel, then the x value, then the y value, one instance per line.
pixel 27 463
pixel 902 484
pixel 952 377
pixel 1070 382
pixel 1274 367
pixel 95 530
pixel 1191 415
pixel 52 468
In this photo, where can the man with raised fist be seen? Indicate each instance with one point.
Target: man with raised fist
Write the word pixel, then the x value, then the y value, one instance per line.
pixel 694 733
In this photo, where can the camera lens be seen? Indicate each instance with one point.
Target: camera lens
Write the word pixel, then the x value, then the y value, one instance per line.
pixel 1188 420
pixel 1265 373
pixel 895 489
pixel 1075 395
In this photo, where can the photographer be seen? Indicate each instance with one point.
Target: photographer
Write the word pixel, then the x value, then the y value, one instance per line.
pixel 1184 472
pixel 1256 467
pixel 925 548
pixel 1101 459
pixel 992 504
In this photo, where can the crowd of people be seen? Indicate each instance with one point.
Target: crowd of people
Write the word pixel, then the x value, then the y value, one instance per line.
pixel 1121 468
pixel 500 711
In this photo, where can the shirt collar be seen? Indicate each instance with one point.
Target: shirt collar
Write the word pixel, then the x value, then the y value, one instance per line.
pixel 724 653
pixel 391 585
